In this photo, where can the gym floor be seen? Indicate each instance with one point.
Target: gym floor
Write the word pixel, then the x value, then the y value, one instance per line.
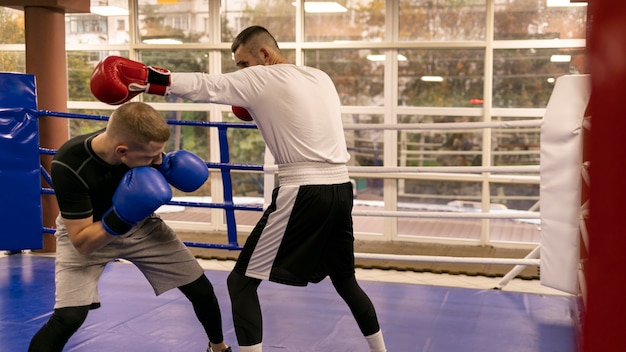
pixel 418 312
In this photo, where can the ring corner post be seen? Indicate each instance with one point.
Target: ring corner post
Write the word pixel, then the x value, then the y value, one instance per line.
pixel 44 22
pixel 20 183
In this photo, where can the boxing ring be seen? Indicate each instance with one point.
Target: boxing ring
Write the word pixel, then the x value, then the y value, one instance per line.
pixel 553 191
pixel 437 310
pixel 560 178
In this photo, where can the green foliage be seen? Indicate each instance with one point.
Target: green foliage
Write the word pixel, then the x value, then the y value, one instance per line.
pixel 78 76
pixel 246 146
pixel 11 27
pixel 12 32
pixel 12 62
pixel 277 16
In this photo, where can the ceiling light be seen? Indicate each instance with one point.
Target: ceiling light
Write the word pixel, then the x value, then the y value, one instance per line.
pixel 322 7
pixel 381 57
pixel 432 78
pixel 560 58
pixel 162 41
pixel 561 3
pixel 109 11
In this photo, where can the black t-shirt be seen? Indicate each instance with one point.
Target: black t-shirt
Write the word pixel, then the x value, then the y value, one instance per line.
pixel 84 184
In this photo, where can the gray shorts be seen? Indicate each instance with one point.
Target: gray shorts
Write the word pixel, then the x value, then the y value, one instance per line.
pixel 152 246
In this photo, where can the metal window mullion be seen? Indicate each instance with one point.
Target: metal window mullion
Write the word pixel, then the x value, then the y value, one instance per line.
pixel 485 237
pixel 215 66
pixel 133 29
pixel 390 137
pixel 299 32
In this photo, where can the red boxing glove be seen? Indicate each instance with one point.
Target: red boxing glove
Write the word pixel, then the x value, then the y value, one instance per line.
pixel 241 113
pixel 116 80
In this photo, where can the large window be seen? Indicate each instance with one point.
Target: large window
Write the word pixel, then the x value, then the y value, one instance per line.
pixel 442 20
pixel 440 77
pixel 412 63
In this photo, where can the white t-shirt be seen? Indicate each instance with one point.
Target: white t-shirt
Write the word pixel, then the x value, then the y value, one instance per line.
pixel 296 108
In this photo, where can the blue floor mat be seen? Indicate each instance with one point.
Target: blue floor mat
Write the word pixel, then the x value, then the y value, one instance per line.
pixel 413 317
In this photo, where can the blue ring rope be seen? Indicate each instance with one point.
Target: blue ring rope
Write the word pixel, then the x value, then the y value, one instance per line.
pixel 224 166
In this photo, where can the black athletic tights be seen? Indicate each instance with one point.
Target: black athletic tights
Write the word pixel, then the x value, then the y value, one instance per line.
pixel 64 322
pixel 204 301
pixel 247 310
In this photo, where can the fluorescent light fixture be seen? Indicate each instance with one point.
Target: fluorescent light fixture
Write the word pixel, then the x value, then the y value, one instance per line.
pixel 162 41
pixel 432 78
pixel 564 3
pixel 560 58
pixel 381 57
pixel 322 7
pixel 109 11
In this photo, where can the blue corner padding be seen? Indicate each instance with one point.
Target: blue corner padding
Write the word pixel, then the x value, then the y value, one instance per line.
pixel 20 182
pixel 18 91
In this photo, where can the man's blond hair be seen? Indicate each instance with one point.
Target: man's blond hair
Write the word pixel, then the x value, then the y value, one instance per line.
pixel 137 123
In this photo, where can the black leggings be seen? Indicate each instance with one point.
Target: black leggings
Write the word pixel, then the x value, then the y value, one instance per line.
pixel 64 322
pixel 55 333
pixel 204 301
pixel 247 310
pixel 359 303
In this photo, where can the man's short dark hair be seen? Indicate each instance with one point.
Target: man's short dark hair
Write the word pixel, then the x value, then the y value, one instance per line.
pixel 250 33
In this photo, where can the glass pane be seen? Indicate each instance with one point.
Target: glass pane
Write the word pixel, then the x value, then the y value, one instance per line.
pixel 440 148
pixel 439 196
pixel 13 61
pixel 368 193
pixel 228 64
pixel 516 146
pixel 365 146
pixel 344 21
pixel 524 78
pixel 515 230
pixel 194 138
pixel 80 126
pixel 191 138
pixel 245 146
pixel 439 192
pixel 437 119
pixel 516 195
pixel 452 78
pixel 357 74
pixel 366 149
pixel 11 26
pixel 454 228
pixel 442 20
pixel 374 225
pixel 173 22
pixel 106 24
pixel 278 16
pixel 175 61
pixel 532 19
pixel 80 65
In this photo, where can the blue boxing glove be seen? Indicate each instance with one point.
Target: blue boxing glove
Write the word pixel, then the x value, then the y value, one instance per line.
pixel 184 170
pixel 140 192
